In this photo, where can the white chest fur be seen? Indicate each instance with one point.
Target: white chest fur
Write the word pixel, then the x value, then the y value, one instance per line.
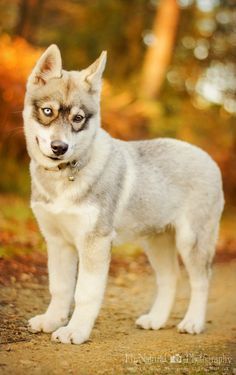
pixel 72 221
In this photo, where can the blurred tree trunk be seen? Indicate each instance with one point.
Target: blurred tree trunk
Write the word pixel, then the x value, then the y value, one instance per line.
pixel 158 55
pixel 28 19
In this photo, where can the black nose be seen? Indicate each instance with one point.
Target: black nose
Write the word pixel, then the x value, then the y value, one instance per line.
pixel 59 147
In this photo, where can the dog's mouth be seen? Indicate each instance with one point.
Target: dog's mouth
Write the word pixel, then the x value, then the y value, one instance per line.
pixel 53 157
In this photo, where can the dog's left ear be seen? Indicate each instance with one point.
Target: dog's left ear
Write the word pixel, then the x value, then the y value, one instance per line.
pixel 93 74
pixel 48 66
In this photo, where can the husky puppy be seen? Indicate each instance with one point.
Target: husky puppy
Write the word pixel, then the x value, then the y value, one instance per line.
pixel 90 190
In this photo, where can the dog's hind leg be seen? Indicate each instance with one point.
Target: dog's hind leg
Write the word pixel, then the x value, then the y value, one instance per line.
pixel 162 255
pixel 196 250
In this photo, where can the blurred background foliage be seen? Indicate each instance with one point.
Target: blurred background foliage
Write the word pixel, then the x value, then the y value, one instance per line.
pixel 171 71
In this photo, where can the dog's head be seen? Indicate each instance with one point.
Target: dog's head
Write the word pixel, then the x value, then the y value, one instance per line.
pixel 61 113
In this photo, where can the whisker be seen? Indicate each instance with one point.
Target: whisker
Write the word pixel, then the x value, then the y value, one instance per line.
pixel 17 111
pixel 17 129
pixel 13 133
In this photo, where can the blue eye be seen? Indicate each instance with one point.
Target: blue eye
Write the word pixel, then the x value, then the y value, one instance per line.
pixel 47 111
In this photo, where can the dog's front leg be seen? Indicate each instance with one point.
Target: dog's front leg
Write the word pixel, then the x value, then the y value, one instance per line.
pixel 94 259
pixel 62 268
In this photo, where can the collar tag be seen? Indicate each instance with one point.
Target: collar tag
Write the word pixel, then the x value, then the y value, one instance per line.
pixel 74 168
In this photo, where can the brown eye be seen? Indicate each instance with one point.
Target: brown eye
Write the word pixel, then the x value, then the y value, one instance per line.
pixel 47 111
pixel 78 118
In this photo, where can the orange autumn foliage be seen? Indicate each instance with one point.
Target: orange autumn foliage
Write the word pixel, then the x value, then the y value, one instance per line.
pixel 17 58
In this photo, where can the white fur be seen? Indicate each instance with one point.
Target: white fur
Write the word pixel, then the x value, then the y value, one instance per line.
pixel 164 194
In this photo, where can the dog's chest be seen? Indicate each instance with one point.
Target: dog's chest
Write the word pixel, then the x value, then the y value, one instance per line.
pixel 63 217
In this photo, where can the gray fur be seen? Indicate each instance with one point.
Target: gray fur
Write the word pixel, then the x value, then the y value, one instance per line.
pixel 160 192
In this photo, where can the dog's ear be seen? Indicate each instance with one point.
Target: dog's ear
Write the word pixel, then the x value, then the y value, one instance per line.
pixel 48 66
pixel 93 74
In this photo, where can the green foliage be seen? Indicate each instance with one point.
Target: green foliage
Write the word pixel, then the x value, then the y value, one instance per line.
pixel 14 177
pixel 19 232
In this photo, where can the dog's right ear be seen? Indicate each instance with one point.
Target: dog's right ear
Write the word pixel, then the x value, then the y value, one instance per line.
pixel 48 66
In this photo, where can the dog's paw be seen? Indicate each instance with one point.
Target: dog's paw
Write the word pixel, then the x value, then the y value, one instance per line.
pixel 69 335
pixel 45 323
pixel 192 326
pixel 148 321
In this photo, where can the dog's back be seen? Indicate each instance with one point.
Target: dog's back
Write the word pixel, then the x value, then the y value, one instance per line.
pixel 171 179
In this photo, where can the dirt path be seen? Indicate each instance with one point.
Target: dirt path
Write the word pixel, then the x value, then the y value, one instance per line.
pixel 116 345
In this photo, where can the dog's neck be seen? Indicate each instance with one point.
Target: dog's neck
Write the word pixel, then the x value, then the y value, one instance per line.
pixel 73 167
pixel 50 184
